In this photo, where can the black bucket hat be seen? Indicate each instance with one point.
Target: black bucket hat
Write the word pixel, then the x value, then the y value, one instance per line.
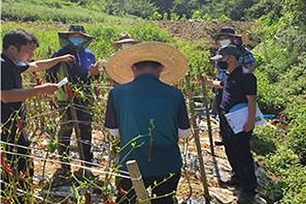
pixel 227 31
pixel 74 29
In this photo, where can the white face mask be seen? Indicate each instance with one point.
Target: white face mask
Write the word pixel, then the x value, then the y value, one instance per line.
pixel 224 43
pixel 126 45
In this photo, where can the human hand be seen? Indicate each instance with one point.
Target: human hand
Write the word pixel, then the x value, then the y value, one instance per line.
pixel 70 59
pixel 101 63
pixel 94 69
pixel 46 88
pixel 248 126
pixel 204 79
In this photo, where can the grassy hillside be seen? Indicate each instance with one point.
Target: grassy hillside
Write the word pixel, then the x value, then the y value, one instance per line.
pixel 56 11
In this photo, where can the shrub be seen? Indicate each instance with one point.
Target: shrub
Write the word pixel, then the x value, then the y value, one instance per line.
pixel 281 161
pixel 297 138
pixel 264 139
pixel 197 15
pixel 269 98
pixel 156 16
pixel 294 189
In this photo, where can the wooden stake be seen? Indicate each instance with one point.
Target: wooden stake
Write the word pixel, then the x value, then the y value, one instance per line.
pixel 197 140
pixel 77 132
pixel 205 102
pixel 139 187
pixel 74 117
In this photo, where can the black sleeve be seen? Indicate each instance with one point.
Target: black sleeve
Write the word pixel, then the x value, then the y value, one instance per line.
pixel 23 68
pixel 183 120
pixel 110 116
pixel 250 84
pixel 7 80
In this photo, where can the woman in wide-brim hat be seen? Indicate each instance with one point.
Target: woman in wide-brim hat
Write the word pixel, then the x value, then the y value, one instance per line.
pixel 119 66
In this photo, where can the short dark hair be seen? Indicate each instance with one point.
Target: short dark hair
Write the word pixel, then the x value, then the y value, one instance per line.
pixel 19 37
pixel 152 64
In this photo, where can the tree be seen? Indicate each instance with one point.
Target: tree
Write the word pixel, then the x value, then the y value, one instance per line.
pixel 187 7
pixel 236 9
pixel 164 6
pixel 140 8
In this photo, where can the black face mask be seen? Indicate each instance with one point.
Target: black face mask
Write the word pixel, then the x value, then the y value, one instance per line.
pixel 222 65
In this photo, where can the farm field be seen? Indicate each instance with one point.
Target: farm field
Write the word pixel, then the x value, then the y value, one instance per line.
pixel 278 43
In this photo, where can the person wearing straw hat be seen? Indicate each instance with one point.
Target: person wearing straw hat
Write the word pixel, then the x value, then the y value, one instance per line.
pixel 148 116
pixel 80 74
pixel 124 41
pixel 239 87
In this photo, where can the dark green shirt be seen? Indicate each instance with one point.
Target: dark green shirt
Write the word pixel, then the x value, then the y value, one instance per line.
pixel 135 108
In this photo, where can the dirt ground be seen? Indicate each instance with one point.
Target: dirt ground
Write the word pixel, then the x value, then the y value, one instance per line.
pixel 194 30
pixel 190 187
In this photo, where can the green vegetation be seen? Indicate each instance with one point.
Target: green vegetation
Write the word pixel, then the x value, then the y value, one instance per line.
pixel 56 11
pixel 282 90
pixel 280 27
pixel 95 10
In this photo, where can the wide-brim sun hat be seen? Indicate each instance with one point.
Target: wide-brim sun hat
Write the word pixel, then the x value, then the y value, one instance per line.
pixel 124 38
pixel 74 29
pixel 119 66
pixel 226 31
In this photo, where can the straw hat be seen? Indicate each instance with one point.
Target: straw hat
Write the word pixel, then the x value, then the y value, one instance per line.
pixel 124 37
pixel 119 66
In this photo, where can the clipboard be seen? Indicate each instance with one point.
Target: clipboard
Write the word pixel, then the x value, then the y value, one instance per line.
pixel 239 115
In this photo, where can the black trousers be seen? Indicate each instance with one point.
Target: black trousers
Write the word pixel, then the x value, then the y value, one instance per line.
pixel 237 148
pixel 160 187
pixel 84 120
pixel 215 105
pixel 22 165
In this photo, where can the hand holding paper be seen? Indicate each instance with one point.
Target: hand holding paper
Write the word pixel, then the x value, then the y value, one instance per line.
pixel 94 69
pixel 62 82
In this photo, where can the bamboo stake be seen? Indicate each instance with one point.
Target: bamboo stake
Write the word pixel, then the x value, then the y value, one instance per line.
pixel 139 187
pixel 197 140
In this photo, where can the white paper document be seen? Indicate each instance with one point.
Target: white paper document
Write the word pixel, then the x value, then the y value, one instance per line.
pixel 62 82
pixel 238 118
